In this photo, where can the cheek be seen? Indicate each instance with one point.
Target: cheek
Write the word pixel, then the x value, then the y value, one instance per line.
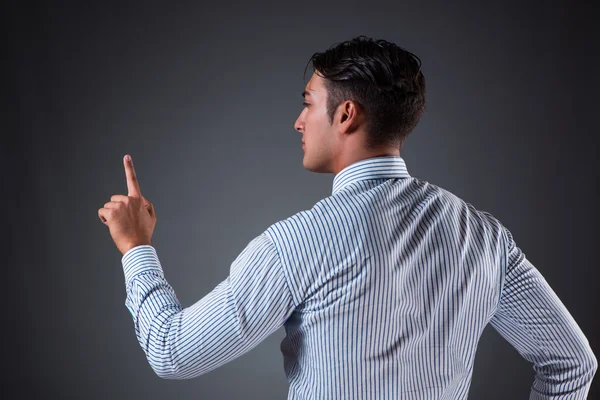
pixel 316 122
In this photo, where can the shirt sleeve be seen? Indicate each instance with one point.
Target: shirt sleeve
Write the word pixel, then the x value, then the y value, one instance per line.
pixel 240 312
pixel 531 317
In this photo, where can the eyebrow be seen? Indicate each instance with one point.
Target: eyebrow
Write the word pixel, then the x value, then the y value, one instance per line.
pixel 305 93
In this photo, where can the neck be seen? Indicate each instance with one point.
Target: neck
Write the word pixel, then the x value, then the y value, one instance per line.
pixel 348 158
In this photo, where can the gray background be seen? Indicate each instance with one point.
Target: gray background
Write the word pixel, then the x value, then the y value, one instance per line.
pixel 204 98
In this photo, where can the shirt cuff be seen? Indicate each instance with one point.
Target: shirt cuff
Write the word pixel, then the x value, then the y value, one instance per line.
pixel 140 259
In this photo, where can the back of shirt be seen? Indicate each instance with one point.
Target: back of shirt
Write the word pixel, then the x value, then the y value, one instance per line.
pixel 394 280
pixel 384 289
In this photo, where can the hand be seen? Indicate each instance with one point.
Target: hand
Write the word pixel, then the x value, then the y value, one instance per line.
pixel 130 219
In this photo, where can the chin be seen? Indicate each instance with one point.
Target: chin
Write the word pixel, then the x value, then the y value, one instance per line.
pixel 306 164
pixel 313 167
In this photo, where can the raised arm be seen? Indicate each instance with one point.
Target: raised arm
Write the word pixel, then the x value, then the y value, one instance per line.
pixel 240 312
pixel 532 318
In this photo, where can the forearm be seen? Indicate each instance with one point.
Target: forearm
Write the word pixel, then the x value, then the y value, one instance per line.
pixel 154 307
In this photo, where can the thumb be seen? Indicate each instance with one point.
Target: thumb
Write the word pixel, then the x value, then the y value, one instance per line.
pixel 148 206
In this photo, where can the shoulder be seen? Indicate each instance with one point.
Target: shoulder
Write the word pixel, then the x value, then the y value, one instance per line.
pixel 309 221
pixel 293 227
pixel 477 219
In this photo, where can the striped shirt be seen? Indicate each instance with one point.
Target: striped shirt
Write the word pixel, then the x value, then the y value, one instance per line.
pixel 384 289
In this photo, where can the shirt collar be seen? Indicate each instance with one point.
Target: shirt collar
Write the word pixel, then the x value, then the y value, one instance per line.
pixel 382 167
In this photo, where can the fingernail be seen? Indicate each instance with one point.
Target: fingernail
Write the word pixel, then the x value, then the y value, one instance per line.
pixel 128 158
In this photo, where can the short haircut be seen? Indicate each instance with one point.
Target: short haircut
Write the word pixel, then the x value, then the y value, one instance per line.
pixel 384 80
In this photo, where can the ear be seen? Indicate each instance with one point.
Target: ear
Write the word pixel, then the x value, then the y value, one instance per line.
pixel 350 116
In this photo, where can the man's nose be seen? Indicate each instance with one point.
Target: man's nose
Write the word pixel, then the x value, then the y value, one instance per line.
pixel 298 125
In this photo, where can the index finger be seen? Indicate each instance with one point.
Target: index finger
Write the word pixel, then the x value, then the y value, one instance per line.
pixel 132 183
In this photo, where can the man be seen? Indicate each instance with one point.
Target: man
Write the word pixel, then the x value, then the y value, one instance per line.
pixel 384 288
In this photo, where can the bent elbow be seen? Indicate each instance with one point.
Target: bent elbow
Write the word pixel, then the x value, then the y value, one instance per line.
pixel 166 372
pixel 585 361
pixel 163 366
pixel 589 364
pixel 164 375
pixel 586 368
pixel 176 374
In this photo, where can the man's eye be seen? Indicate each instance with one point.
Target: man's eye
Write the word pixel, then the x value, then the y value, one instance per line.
pixel 305 104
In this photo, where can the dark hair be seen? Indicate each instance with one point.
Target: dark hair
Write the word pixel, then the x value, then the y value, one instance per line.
pixel 384 79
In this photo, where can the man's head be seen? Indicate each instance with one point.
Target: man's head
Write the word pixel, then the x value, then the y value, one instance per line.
pixel 363 99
